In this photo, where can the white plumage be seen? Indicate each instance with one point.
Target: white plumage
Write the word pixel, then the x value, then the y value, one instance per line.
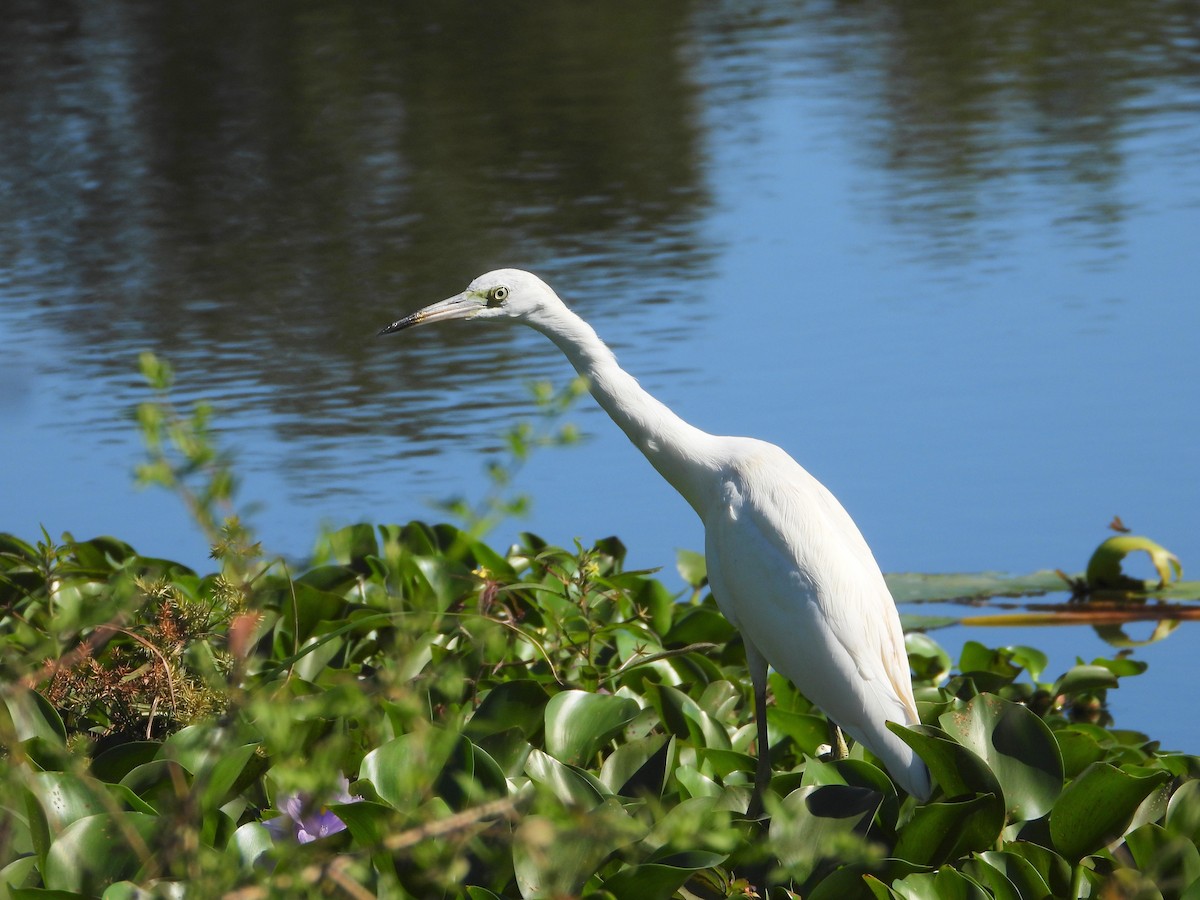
pixel 786 563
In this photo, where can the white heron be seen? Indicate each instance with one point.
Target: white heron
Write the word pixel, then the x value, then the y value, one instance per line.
pixel 786 564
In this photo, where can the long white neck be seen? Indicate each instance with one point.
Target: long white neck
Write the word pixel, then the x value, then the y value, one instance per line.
pixel 680 452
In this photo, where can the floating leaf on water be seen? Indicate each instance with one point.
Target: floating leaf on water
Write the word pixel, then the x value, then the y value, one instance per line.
pixel 1104 568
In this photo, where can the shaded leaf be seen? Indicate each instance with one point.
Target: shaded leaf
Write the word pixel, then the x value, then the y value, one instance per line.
pixel 1097 807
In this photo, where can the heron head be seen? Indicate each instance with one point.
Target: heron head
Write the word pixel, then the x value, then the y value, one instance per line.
pixel 504 294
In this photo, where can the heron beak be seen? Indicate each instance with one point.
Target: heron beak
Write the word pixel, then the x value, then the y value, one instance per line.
pixel 462 306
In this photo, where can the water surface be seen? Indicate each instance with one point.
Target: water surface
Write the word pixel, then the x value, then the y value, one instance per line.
pixel 944 255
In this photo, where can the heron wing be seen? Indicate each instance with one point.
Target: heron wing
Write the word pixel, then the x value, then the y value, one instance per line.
pixel 800 583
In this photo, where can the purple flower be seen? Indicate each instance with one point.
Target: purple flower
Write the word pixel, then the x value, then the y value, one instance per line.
pixel 307 821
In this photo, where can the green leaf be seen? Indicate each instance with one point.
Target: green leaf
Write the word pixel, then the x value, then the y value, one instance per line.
pixel 660 880
pixel 813 822
pixel 1017 746
pixel 1104 568
pixel 114 846
pixel 1183 811
pixel 404 769
pixel 957 770
pixel 637 767
pixel 248 843
pixel 517 704
pixel 692 568
pixel 578 723
pixel 1016 870
pixel 941 832
pixel 1084 678
pixel 33 716
pixel 945 884
pixel 1166 859
pixel 1097 807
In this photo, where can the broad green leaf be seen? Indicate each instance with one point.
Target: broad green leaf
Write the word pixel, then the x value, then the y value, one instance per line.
pixel 637 767
pixel 1017 746
pixel 659 880
pixel 1018 871
pixel 945 884
pixel 115 847
pixel 1097 807
pixel 517 704
pixel 572 786
pixel 1164 858
pixel 928 660
pixel 551 860
pixel 1183 811
pixel 813 823
pixel 940 832
pixel 116 762
pixel 578 723
pixel 33 716
pixel 1104 568
pixel 248 843
pixel 957 770
pixel 692 568
pixel 404 769
pixel 367 821
pixel 1084 678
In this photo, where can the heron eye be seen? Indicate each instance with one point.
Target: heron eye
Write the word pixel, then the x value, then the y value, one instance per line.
pixel 496 296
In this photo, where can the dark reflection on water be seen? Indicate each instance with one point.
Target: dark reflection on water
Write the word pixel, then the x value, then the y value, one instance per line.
pixel 253 192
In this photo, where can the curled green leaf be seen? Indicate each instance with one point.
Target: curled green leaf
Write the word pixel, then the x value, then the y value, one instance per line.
pixel 1104 568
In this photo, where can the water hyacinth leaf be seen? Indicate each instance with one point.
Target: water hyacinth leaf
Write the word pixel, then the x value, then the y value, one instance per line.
pixel 1183 811
pixel 686 719
pixel 1164 858
pixel 945 884
pixel 578 723
pixel 64 798
pixel 814 823
pixel 572 786
pixel 248 843
pixel 550 860
pixel 993 880
pixel 1104 568
pixel 1097 807
pixel 368 822
pixel 957 770
pixel 519 704
pixel 1084 678
pixel 975 657
pixel 637 767
pixel 1017 746
pixel 116 846
pixel 926 657
pixel 940 832
pixel 659 880
pixel 692 568
pixel 32 716
pixel 1019 872
pixel 405 768
pixel 1079 749
pixel 808 732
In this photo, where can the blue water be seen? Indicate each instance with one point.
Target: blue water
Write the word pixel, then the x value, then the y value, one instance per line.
pixel 961 292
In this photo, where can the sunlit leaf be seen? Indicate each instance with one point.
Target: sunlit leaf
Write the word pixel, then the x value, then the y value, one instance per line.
pixel 578 722
pixel 1017 746
pixel 1104 568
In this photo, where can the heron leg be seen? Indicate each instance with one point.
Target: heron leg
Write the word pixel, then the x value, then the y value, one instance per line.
pixel 762 775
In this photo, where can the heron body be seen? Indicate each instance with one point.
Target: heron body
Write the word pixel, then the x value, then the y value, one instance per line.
pixel 786 563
